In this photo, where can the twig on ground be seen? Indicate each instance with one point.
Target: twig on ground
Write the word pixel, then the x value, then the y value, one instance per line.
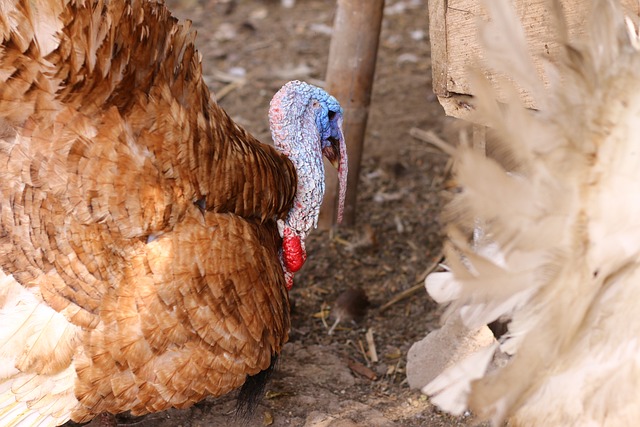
pixel 430 137
pixel 228 89
pixel 417 287
pixel 363 351
pixel 371 345
pixel 360 369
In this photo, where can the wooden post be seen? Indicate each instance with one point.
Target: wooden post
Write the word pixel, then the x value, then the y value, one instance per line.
pixel 352 62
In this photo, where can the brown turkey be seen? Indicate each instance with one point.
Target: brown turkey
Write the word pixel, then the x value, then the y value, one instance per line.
pixel 147 242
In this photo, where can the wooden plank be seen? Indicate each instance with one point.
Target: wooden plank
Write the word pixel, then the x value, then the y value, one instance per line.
pixel 463 17
pixel 461 44
pixel 460 106
pixel 438 31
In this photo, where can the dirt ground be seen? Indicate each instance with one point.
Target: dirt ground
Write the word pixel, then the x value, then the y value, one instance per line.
pixel 250 48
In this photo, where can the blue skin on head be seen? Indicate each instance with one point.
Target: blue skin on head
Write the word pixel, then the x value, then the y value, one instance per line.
pixel 299 114
pixel 327 117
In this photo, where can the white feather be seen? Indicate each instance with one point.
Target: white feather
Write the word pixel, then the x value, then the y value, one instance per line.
pixel 561 257
pixel 37 374
pixel 442 287
pixel 450 389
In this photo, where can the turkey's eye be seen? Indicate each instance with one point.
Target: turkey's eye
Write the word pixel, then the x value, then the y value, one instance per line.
pixel 332 114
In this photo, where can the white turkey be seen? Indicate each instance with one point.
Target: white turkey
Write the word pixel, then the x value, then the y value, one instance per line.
pixel 559 211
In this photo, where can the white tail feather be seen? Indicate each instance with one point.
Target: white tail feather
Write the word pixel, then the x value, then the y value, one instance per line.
pixel 37 374
pixel 561 254
pixel 450 389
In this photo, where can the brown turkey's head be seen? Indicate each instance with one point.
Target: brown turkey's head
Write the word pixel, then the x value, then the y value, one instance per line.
pixel 306 123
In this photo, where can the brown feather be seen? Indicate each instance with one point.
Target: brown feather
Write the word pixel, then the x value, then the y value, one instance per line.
pixel 109 137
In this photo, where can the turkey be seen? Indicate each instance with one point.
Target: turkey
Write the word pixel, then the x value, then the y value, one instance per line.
pixel 147 242
pixel 557 255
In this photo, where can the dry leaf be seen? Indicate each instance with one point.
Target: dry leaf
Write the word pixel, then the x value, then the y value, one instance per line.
pixel 360 369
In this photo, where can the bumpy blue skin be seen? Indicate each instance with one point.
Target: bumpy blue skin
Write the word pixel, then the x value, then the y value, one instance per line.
pixel 303 119
pixel 327 123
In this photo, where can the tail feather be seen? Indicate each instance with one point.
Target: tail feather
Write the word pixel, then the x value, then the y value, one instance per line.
pixel 558 210
pixel 37 375
pixel 253 388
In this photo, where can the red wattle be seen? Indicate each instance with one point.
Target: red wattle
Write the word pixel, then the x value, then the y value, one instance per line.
pixel 293 254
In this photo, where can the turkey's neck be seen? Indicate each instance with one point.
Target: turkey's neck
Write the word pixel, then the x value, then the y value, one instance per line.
pixel 300 143
pixel 296 136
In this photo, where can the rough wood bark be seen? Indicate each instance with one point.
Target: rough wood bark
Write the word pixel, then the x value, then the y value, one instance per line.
pixel 352 61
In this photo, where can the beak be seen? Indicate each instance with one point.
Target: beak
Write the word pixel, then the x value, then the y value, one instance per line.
pixel 336 154
pixel 332 152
